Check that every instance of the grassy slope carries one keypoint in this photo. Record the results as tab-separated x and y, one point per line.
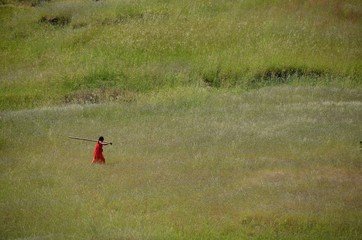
195	165
204	149
127	47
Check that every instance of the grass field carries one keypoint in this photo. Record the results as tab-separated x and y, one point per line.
230	119
94	51
196	165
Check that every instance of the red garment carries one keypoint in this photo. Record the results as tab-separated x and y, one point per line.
98	154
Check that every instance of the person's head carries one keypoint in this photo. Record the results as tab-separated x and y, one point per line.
101	139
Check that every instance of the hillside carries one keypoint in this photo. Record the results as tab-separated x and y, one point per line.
60	52
229	119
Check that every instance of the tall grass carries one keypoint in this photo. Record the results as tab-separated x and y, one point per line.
275	163
155	45
230	119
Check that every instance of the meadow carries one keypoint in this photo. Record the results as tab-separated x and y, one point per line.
229	119
61	52
196	165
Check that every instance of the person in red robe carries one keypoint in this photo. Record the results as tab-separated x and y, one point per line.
98	157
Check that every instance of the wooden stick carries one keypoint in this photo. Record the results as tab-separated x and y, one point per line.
89	140
83	139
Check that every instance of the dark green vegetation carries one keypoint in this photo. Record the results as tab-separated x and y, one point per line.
230	119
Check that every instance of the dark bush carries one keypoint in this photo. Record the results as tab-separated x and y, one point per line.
24	2
56	20
277	76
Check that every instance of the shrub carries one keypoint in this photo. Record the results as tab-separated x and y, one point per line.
61	20
24	2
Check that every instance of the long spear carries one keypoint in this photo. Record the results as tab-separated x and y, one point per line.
86	139
83	139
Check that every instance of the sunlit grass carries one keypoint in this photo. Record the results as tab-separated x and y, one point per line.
275	163
155	45
230	119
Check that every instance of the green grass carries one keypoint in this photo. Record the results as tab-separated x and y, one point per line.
275	163
142	46
230	119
